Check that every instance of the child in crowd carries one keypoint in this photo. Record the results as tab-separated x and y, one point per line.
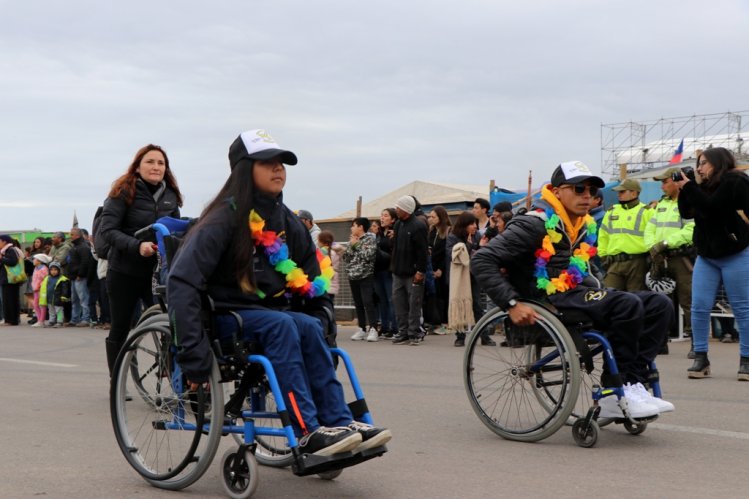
40	261
54	292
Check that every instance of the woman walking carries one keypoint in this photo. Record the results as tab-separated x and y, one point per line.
146	192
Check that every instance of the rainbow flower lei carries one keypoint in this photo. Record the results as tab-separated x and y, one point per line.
578	267
277	251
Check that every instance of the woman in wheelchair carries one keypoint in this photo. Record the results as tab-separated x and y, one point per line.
250	253
545	254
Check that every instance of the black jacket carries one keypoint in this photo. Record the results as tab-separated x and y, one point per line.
384	251
9	258
80	259
119	223
409	247
719	231
205	264
504	268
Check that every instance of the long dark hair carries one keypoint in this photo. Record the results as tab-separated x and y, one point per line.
125	185
465	220
443	226
238	189
722	161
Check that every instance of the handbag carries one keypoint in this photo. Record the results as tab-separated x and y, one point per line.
16	273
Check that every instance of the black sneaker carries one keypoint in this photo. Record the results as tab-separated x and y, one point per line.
486	341
326	441
371	435
401	340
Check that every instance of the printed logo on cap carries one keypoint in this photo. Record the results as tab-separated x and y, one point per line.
573	169
258	140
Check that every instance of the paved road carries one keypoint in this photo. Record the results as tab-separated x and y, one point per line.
57	439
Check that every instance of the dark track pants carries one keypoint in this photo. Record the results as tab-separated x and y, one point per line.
636	324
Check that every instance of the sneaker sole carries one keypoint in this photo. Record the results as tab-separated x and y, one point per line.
743	377
347	444
380	439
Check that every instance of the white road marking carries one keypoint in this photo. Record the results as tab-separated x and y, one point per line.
701	431
38	363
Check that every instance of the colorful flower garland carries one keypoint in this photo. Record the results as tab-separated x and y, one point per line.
578	267
278	255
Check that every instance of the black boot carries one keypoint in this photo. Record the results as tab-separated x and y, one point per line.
690	355
113	349
487	341
460	340
744	369
701	366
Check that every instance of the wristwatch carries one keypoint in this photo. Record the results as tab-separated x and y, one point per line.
511	303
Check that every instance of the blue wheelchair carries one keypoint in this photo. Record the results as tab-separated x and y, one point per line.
170	435
539	378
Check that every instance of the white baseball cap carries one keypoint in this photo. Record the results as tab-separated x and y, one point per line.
258	144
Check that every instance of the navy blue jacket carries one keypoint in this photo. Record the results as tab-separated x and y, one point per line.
204	264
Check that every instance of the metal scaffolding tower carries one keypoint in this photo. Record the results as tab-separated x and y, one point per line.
650	144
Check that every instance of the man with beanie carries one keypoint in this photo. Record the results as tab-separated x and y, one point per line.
408	265
621	242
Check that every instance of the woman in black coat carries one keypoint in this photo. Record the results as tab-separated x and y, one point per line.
145	193
10	256
719	205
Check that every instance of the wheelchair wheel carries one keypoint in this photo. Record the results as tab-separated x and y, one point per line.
585	434
239	474
526	387
148	313
164	434
330	475
635	429
270	451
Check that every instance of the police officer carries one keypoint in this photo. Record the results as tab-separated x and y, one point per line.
621	242
669	240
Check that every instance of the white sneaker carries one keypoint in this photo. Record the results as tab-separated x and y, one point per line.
359	335
662	405
372	335
637	408
36	324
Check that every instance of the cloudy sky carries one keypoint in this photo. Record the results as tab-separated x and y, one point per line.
370	95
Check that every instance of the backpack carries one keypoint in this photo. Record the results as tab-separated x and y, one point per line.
101	246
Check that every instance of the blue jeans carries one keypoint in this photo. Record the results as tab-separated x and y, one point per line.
708	273
384	290
80	302
295	345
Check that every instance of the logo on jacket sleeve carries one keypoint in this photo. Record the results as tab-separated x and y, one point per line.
595	295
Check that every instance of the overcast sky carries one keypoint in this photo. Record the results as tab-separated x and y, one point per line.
369	95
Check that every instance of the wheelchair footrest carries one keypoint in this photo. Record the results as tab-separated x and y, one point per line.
310	464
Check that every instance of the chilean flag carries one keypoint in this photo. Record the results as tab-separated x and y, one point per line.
676	159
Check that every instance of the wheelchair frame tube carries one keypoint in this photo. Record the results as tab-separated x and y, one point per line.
358	393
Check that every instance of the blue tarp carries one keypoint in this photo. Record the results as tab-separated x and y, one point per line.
651	190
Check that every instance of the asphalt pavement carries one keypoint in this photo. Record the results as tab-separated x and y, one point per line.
57	438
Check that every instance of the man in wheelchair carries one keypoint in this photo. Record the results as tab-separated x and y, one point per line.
544	254
251	254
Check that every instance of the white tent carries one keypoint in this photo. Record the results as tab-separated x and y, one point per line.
428	193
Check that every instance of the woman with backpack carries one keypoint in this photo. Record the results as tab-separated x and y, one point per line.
146	192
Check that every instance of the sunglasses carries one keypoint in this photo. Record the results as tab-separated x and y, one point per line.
581	188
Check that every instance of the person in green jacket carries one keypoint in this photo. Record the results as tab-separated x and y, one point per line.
621	240
668	237
57	287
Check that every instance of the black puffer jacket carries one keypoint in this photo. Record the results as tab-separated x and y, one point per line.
409	247
205	264
119	223
504	268
719	230
80	259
